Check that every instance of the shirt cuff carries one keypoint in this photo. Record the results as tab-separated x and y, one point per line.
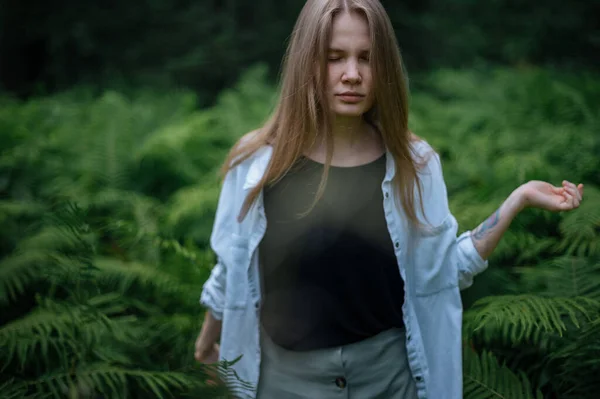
470	261
209	302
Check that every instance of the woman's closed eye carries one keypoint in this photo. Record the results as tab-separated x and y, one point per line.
336	59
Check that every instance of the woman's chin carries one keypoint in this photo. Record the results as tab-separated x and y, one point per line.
346	111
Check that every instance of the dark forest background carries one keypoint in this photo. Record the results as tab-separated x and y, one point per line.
116	115
46	46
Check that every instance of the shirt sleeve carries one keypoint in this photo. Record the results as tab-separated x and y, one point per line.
213	290
469	262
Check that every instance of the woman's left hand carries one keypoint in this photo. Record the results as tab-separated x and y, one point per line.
539	194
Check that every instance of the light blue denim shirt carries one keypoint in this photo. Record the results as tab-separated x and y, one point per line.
434	265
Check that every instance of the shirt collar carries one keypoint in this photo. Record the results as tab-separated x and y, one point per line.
390	166
258	167
263	156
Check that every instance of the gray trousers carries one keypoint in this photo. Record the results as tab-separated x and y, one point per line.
376	368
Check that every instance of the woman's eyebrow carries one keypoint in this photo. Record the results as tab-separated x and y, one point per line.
338	50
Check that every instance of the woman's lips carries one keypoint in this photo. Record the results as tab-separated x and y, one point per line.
350	98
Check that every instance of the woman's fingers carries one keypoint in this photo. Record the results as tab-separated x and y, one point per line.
573	189
206	354
570	200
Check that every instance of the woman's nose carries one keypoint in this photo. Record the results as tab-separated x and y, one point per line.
351	74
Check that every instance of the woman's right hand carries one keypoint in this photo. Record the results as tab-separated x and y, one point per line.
206	353
206	349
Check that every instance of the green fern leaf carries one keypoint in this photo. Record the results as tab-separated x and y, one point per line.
567	276
12	389
484	378
18	271
62	327
116	382
11	209
519	317
190	210
579	364
581	228
116	273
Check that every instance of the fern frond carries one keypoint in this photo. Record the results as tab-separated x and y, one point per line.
190	211
116	273
579	364
519	317
484	378
111	381
236	385
127	202
53	252
581	228
108	159
20	209
524	245
51	238
534	249
115	381
521	167
61	327
250	102
23	268
164	148
566	276
18	271
12	389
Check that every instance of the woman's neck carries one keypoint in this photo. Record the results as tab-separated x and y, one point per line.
354	142
350	132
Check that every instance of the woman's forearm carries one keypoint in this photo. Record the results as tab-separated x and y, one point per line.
211	329
488	234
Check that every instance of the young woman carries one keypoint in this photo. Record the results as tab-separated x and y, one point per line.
339	266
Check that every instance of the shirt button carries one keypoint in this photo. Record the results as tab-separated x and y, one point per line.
387	195
340	382
419	378
397	244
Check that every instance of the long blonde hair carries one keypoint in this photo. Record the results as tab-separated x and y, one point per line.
302	113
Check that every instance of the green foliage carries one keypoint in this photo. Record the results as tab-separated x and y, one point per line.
99	325
205	45
108	203
497	129
519	317
578	363
101	276
484	378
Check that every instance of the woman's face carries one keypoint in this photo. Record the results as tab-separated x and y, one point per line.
349	84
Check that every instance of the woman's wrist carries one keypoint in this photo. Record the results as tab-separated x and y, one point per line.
211	329
516	201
